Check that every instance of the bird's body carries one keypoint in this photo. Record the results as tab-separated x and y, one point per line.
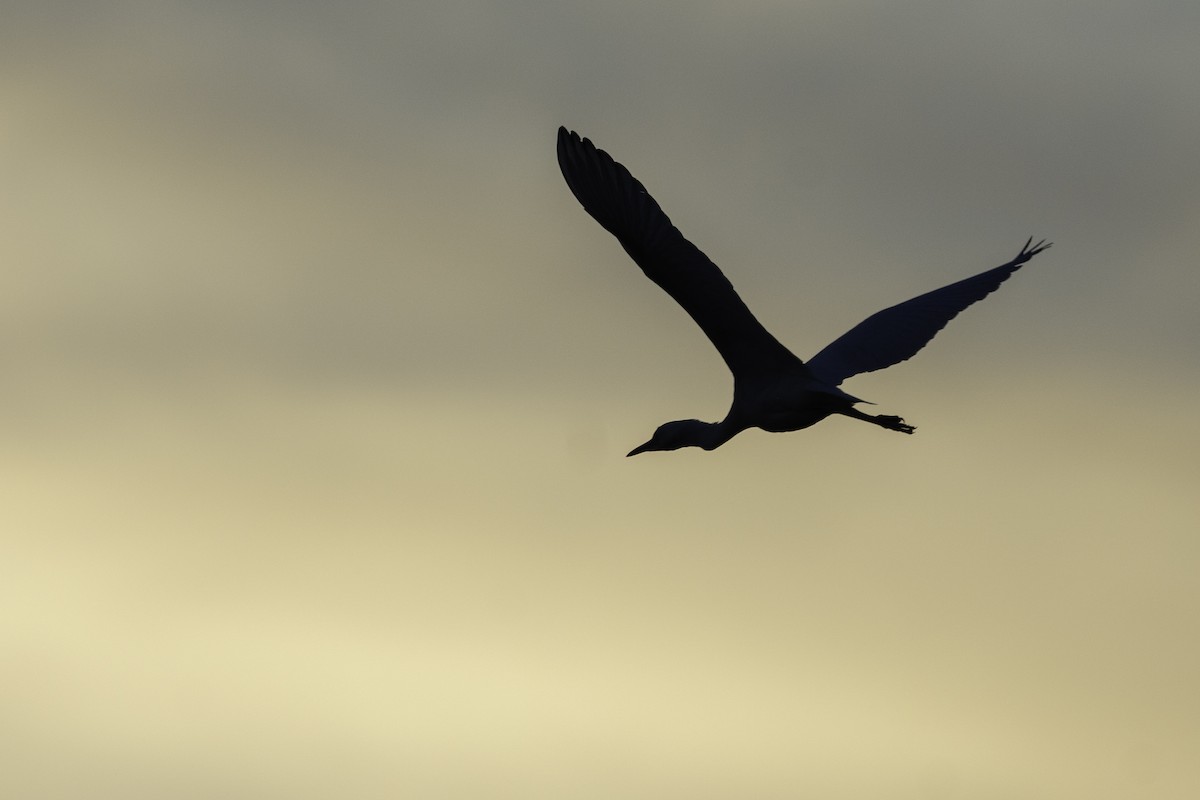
773	389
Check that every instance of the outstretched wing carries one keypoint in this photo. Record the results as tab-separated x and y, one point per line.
897	333
620	203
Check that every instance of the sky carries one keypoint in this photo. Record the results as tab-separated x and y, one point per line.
318	384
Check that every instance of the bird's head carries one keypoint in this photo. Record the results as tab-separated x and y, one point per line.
677	434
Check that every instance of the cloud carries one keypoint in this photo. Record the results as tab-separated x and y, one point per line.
317	382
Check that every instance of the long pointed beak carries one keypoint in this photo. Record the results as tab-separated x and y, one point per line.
641	448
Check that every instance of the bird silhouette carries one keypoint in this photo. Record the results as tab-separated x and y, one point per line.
772	388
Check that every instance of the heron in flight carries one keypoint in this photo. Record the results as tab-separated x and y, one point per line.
772	388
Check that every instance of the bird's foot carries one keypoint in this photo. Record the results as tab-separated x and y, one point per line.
894	423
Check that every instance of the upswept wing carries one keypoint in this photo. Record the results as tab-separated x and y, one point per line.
897	333
620	203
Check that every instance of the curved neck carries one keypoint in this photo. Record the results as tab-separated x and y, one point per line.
710	435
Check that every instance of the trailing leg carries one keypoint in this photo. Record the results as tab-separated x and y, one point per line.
883	420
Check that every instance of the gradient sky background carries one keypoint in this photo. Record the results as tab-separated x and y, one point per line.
317	385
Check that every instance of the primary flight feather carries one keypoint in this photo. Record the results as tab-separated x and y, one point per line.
772	388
